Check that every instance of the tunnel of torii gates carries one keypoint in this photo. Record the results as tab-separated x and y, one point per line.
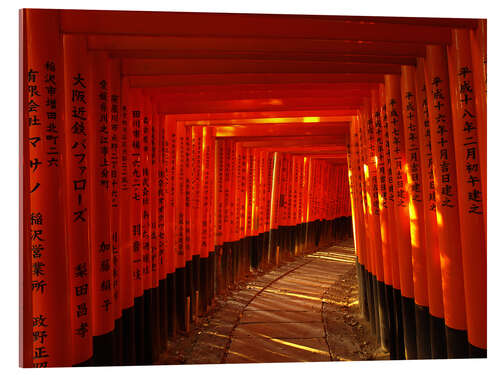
166	155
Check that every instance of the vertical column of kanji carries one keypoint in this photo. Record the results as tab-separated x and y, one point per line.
314	186
255	165
314	201
479	63
228	227
77	99
447	211
188	150
401	208
225	156
135	121
258	207
47	335
433	266
211	216
219	210
373	129
126	287
196	210
273	224
25	264
169	124
281	203
305	221
160	228
363	250
469	192
179	225
248	209
374	244
293	211
205	215
244	208
382	187
263	238
186	237
299	165
146	214
309	228
289	203
155	264
114	186
368	253
385	228
416	210
267	205
395	301
235	250
99	212
300	217
355	202
268	202
237	210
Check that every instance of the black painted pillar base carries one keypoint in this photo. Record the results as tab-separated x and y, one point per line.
438	337
409	327
148	326
196	284
422	324
189	284
87	363
456	343
371	304
235	260
211	277
118	342
376	306
180	292
204	284
103	349
385	335
128	318
219	269
389	295
476	352
139	329
171	304
263	254
163	314
156	323
363	299
398	315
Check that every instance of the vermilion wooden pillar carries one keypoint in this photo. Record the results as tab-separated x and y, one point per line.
386	294
470	199
170	125
48	337
99	185
416	210
434	285
447	210
399	167
78	189
125	228
478	47
117	243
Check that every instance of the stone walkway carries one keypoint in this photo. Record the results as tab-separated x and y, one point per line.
291	314
284	321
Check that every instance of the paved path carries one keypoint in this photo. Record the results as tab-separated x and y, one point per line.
284	320
303	311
